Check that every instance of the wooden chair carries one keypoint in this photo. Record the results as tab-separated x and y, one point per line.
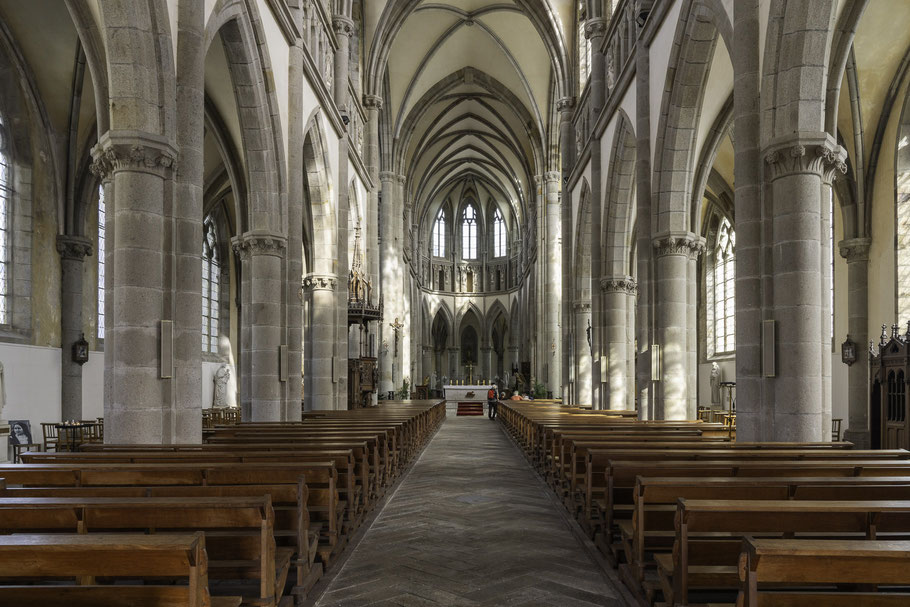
17	449
835	429
49	432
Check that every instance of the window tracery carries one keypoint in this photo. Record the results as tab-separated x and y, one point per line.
469	233
439	235
721	291
211	286
499	235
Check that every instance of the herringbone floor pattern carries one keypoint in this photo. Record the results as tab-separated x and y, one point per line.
471	525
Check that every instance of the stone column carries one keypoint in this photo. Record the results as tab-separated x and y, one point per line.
319	289
371	106
692	333
616	292
73	250
294	298
454	363
511	359
673	252
796	167
644	319
187	214
747	203
344	29
566	107
856	252
138	391
553	284
427	354
630	347
261	253
389	281
583	353
485	369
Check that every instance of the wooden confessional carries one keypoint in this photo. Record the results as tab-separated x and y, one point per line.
888	376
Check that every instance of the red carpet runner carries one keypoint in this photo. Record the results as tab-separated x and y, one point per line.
470	409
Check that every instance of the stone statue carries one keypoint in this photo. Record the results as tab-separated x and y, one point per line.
716	399
445	380
221	379
433	380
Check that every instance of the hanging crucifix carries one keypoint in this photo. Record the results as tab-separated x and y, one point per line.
588	331
397	327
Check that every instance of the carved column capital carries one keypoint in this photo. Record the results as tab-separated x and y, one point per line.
372	102
259	242
582	307
619	284
855	249
133	151
595	28
319	282
343	26
551	176
679	243
388	176
565	104
819	154
73	247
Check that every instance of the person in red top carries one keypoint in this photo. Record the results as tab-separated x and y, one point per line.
492	401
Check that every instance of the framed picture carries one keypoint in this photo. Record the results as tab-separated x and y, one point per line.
20	432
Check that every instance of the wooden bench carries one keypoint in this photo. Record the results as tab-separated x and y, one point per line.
801	566
240	532
709	535
652	527
50	562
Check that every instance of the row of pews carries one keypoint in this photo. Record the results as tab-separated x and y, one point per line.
255	515
689	516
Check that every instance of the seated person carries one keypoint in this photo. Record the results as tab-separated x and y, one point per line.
515	396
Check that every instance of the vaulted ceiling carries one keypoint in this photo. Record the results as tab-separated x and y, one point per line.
468	89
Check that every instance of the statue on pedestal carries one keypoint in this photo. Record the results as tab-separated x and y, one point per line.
221	379
716	400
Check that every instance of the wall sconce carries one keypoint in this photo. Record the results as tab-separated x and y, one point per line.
80	350
848	351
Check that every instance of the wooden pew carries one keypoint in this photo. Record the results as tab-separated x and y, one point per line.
652	527
709	534
50	562
801	566
242	547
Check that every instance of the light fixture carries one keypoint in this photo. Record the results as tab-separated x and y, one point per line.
848	351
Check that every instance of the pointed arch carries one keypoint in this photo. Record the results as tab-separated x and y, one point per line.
318	211
620	201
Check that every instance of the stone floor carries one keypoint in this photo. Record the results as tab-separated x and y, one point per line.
471	524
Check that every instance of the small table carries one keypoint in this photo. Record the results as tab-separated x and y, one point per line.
67	436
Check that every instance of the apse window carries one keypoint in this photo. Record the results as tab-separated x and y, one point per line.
439	235
211	277
5	240
469	233
721	283
102	241
499	235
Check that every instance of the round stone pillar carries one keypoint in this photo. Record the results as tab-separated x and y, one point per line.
319	349
797	169
73	250
261	254
673	252
137	399
856	252
584	332
619	384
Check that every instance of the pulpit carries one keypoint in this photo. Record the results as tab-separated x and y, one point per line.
362	310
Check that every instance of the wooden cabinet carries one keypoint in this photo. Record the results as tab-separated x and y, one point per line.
889	373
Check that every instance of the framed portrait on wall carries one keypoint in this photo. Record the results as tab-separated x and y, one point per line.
20	432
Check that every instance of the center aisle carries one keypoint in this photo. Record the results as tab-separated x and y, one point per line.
471	524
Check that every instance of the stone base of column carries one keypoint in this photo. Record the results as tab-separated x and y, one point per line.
862	439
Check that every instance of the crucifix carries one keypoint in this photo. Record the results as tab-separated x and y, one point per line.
588	331
469	367
397	327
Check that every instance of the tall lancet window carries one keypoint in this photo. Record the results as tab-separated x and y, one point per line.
102	242
499	235
721	287
469	233
211	287
439	235
5	232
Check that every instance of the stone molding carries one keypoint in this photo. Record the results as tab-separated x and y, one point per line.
372	102
259	243
565	104
855	249
401	179
133	151
319	282
582	306
679	243
818	154
595	28
343	26
551	176
387	176
619	284
73	247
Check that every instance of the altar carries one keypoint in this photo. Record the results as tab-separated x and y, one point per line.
466	393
